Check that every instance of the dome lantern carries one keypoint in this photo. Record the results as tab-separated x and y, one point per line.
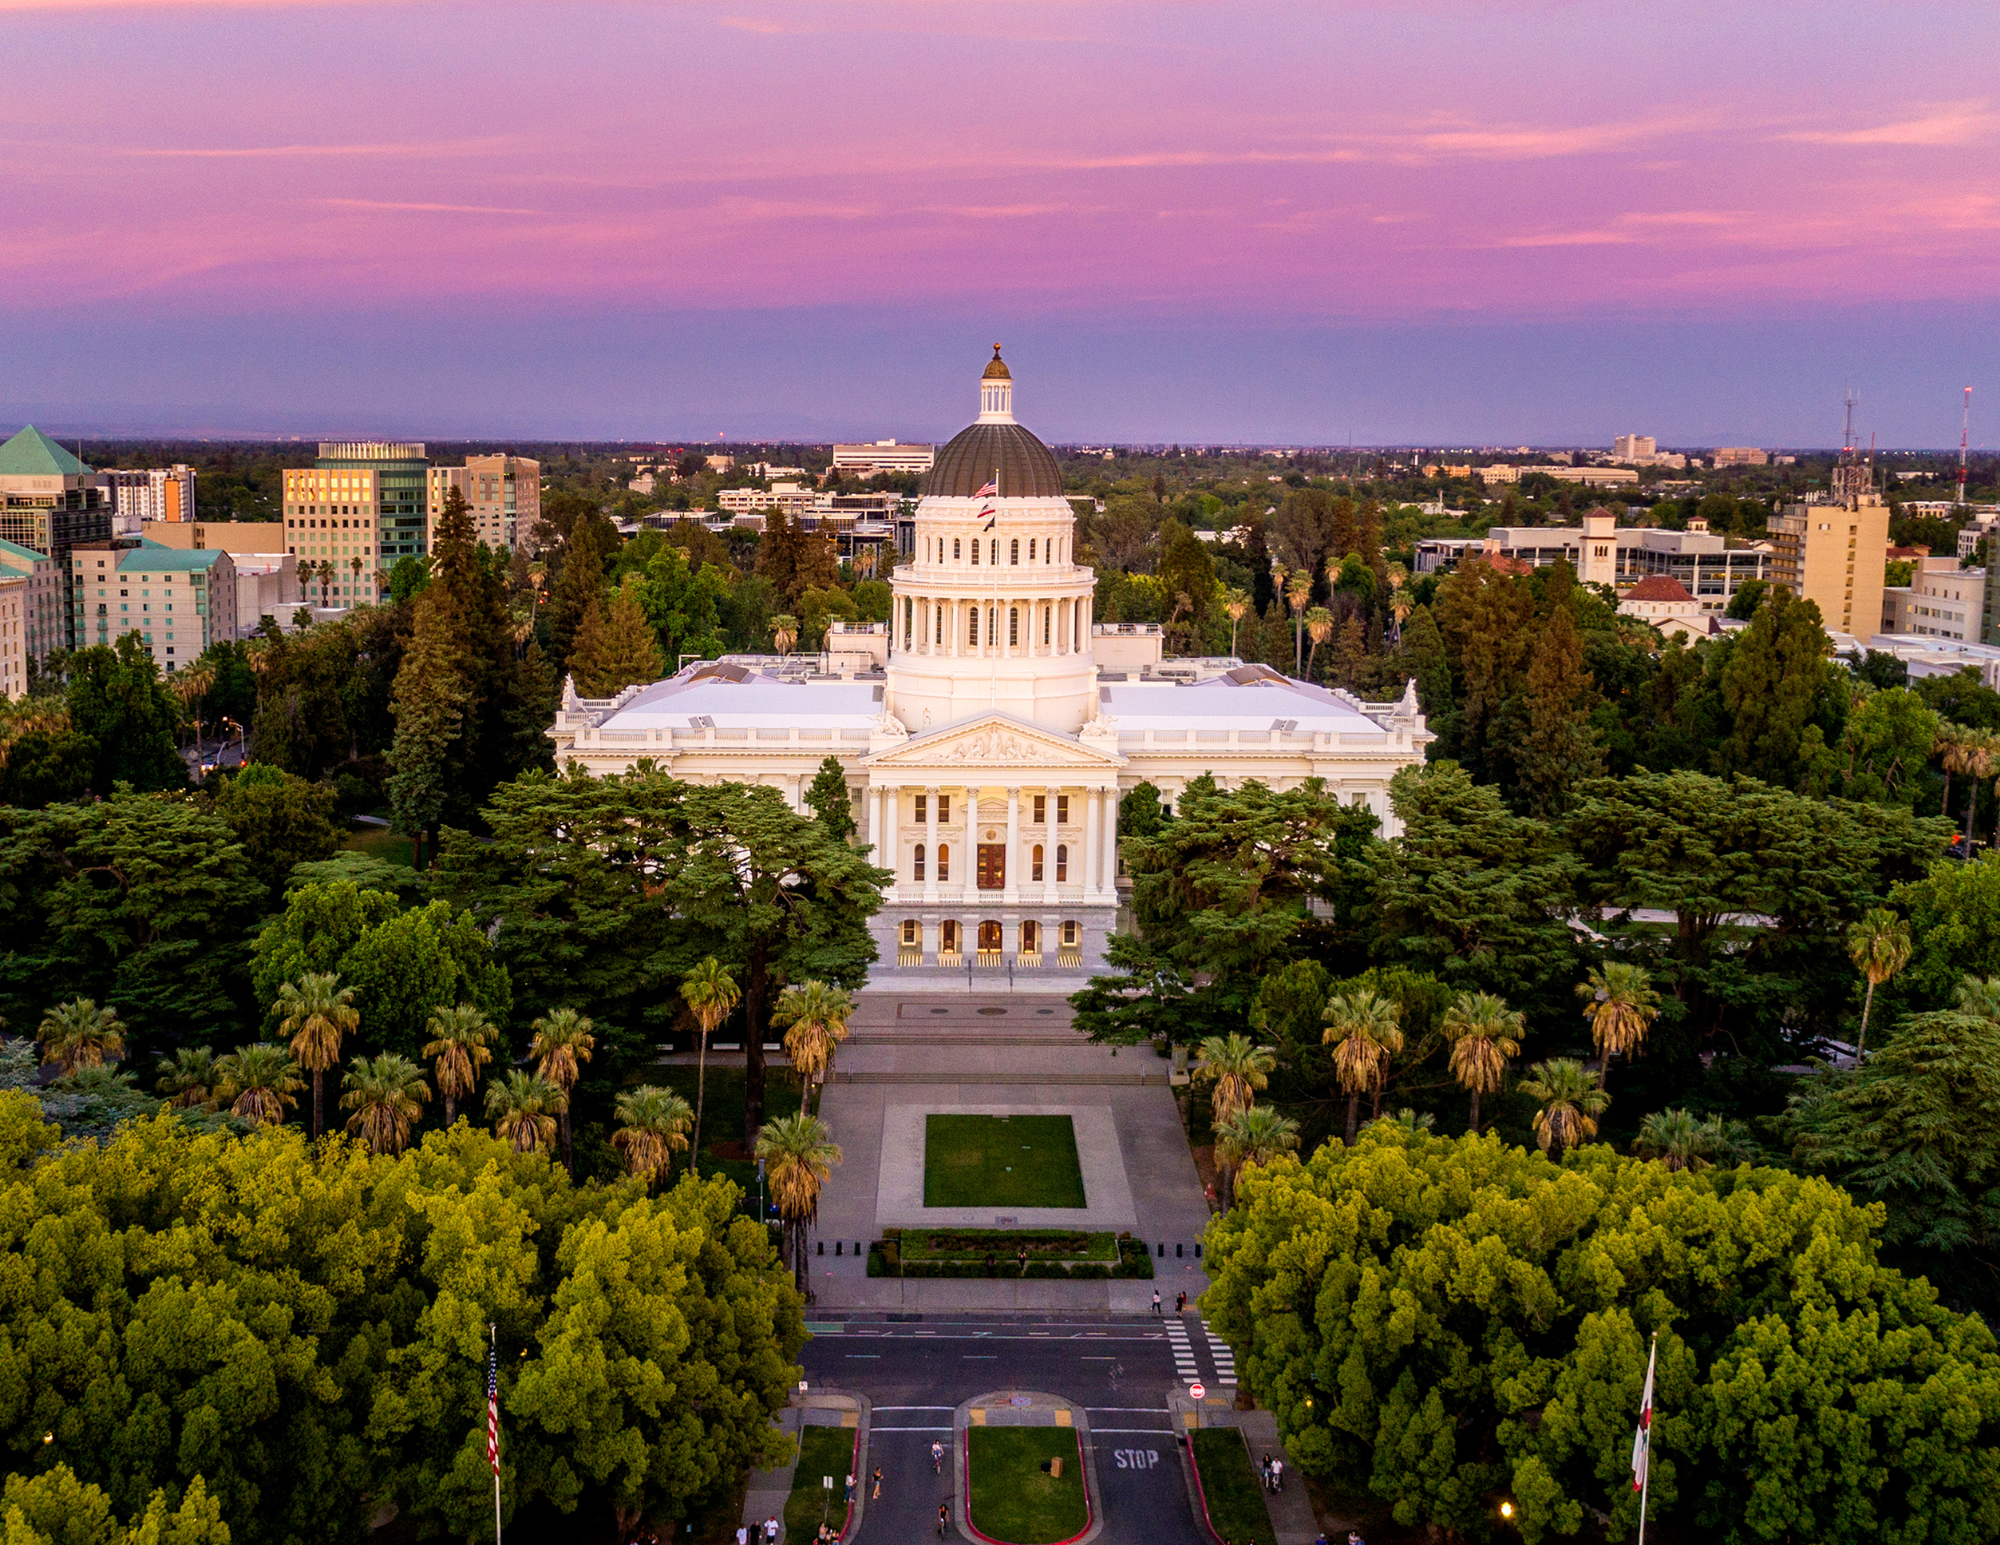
996	391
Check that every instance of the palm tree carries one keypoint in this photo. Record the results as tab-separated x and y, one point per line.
354	569
1256	1135
1879	946
561	1046
191	686
784	632
1571	1102
1676	1139
1362	1030
1978	995
1235	605
817	1014
652	1123
260	1081
1953	748
1239	1067
1319	628
1621	1006
187	1078
710	993
799	1155
79	1034
1399	597
521	1108
387	1095
458	1050
315	1012
1299	592
1485	1036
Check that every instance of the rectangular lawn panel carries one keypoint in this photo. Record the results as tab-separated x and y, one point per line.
822	1451
1001	1161
1230	1486
1012	1499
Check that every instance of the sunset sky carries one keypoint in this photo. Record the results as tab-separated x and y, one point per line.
1444	222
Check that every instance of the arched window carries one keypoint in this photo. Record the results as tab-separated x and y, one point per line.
917	869
1014	551
937	633
996	550
1062	863
1031	549
1013	627
1049	550
944	862
972	623
975	555
954	550
1035	862
992	624
1031	937
1048	623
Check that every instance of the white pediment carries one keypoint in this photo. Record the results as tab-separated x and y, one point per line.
994	741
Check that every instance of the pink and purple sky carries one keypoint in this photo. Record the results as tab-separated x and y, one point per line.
1463	221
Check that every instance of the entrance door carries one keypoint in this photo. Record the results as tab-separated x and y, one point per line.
989	938
992	866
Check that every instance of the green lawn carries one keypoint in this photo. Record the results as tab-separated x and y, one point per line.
1001	1161
722	1114
822	1451
1012	1499
1229	1484
381	843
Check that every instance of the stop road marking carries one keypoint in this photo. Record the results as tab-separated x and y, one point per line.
1137	1458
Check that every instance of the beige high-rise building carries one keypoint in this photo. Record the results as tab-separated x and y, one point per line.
504	493
13	635
1833	555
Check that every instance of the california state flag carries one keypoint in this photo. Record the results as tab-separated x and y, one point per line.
1642	1440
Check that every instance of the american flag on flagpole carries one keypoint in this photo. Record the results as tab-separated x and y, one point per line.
987	492
493	1410
1642	1441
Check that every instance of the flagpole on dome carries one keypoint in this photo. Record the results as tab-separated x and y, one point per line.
1642	1441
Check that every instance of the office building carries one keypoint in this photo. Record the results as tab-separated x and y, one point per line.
13	635
1704	564
1740	456
502	493
1635	447
353	513
789	499
1832	554
267	575
50	501
42	604
1942	600
150	493
882	456
179	601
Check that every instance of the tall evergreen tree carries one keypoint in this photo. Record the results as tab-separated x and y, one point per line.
1561	745
828	799
1777	682
1486	617
580	582
615	645
430	706
1424	658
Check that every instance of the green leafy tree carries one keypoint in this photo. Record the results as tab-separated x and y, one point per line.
1776	686
416	962
279	820
1252	1136
1884	749
616	646
319	927
828	799
117	699
1562	747
433	705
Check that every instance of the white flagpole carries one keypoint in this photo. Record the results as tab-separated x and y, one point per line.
493	1345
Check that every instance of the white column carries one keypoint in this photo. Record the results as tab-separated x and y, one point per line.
1110	855
1087	859
969	823
886	849
1013	891
931	840
1048	835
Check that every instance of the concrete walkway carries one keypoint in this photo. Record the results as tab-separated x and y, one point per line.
768	1490
1291	1513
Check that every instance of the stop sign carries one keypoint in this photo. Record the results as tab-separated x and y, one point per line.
1196	1391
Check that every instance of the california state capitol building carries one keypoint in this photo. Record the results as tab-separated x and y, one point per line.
990	729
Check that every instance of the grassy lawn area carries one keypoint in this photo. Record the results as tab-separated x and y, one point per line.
1001	1161
1230	1485
822	1451
722	1115
1012	1499
381	843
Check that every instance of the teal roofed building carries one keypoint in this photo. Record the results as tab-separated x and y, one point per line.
50	501
178	600
42	613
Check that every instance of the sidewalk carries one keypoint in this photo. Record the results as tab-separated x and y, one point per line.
1291	1514
765	1495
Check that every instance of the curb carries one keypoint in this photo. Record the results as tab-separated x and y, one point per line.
827	1399
1086	1456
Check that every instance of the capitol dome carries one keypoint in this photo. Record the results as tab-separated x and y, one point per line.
995	450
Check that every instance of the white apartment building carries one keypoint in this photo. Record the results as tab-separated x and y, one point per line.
1635	447
1942	600
790	499
41	598
150	493
883	456
503	492
179	601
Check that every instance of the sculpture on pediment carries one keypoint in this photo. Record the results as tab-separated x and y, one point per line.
571	703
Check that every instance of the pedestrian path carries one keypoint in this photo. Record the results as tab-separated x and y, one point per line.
1218	1350
1185	1368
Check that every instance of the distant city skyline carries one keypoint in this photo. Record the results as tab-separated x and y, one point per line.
1454	222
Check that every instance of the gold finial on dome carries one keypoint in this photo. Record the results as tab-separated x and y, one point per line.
996	368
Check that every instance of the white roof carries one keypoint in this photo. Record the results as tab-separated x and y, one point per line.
1222	704
758	702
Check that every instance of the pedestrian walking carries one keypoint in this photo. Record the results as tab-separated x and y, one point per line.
1264	1468
1277	1475
848	1494
771	1530
1156	1301
1180	1302
742	1534
876	1494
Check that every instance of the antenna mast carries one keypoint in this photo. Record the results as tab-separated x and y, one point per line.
1964	434
1851	400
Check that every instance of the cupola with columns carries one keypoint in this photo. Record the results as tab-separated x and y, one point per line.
992	614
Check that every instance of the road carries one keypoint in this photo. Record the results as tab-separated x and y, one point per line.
915	1371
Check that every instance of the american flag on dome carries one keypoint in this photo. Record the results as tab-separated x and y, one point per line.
493	1410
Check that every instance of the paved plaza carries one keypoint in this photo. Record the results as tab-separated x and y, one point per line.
910	1054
